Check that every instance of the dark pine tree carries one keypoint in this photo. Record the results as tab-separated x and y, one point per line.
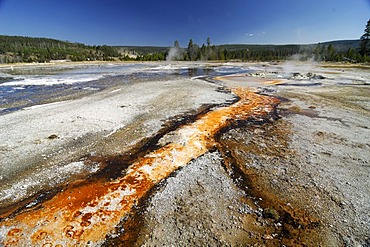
365	41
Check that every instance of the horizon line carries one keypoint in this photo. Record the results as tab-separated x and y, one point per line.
275	44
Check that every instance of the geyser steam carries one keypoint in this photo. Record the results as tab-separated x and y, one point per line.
175	53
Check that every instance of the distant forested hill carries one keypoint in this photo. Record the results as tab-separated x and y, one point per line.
343	45
27	49
340	50
339	45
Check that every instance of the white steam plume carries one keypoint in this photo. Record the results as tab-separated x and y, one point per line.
174	54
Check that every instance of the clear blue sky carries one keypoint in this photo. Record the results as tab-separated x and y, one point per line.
161	22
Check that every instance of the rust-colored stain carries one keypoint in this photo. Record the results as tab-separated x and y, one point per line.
274	82
86	214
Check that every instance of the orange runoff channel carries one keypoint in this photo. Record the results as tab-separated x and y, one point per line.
85	215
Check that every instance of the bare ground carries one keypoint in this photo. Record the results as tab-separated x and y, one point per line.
45	146
299	180
302	180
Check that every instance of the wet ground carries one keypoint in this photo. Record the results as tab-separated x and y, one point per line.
25	86
234	174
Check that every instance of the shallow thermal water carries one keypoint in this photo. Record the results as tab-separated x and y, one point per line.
26	86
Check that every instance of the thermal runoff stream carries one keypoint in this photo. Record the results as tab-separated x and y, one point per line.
86	213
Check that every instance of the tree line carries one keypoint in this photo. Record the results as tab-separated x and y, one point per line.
26	49
318	52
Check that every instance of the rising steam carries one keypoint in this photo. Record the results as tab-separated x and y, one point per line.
175	53
301	63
